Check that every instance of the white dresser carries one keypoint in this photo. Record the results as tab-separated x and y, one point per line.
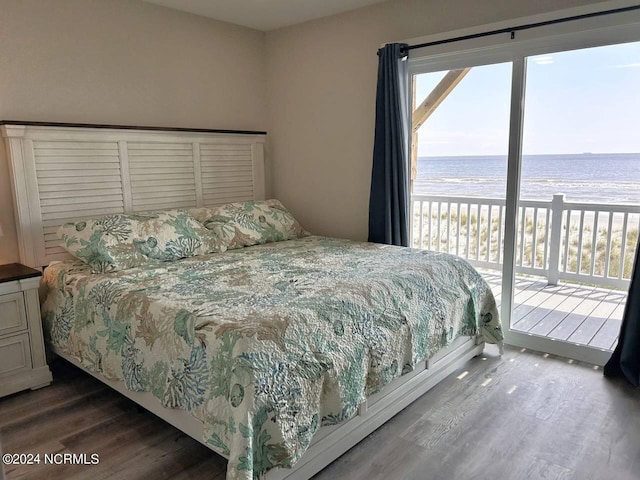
22	359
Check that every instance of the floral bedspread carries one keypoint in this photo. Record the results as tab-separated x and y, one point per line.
266	344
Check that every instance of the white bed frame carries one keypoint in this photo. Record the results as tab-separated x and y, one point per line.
62	173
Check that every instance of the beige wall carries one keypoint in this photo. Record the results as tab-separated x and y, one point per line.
123	62
128	62
321	81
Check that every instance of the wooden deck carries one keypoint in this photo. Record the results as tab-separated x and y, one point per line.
579	314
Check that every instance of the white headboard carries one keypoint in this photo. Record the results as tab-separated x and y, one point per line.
65	172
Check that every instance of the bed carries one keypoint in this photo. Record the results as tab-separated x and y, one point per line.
278	356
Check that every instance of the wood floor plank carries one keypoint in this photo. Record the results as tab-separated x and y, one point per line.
35	471
519	416
213	467
63	421
163	459
63	391
534	432
390	458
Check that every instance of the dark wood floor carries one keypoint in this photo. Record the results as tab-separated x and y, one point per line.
522	416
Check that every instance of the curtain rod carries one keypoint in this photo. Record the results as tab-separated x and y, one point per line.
513	30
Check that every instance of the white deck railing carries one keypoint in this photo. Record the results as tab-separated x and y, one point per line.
586	242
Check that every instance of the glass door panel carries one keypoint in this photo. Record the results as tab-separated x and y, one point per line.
459	148
579	204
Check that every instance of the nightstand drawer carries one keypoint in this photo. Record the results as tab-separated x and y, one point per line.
15	354
13	317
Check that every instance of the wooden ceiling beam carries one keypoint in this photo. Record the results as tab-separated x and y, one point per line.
437	96
427	107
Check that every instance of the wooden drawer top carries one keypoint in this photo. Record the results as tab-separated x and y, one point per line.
17	271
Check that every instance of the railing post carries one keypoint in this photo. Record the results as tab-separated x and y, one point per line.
557	208
416	204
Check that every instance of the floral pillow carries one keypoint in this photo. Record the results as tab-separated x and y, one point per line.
244	224
170	235
121	241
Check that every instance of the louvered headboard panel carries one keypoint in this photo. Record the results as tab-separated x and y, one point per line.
75	179
226	173
62	173
162	175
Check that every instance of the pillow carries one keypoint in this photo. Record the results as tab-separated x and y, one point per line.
121	241
105	243
244	224
170	235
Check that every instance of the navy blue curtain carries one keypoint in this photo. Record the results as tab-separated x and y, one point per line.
389	198
625	360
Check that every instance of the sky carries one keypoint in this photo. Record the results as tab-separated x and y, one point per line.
576	102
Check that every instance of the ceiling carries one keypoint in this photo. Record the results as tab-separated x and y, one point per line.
264	14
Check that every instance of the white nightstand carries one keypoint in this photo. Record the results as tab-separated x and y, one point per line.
22	360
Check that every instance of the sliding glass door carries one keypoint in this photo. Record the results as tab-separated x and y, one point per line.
579	198
542	195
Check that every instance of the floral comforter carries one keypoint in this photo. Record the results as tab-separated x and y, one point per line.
266	344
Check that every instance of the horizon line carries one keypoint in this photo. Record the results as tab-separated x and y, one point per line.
528	154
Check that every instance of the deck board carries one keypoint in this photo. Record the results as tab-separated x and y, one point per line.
576	313
541	305
556	316
608	334
596	319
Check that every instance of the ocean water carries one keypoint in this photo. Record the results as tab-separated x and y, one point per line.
597	178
